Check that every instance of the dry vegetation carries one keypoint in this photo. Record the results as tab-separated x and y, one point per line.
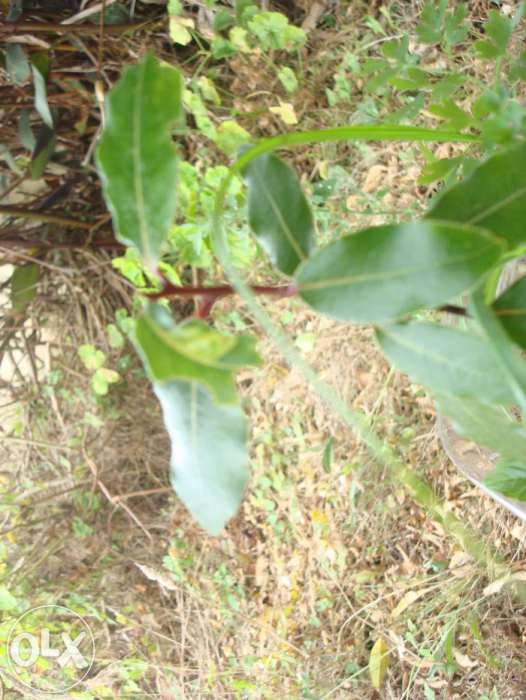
328	554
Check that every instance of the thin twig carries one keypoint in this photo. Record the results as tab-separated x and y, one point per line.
56	28
22	213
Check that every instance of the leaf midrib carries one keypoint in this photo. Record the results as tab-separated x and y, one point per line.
375	276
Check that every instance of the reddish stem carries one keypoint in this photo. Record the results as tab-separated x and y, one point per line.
207	296
172	290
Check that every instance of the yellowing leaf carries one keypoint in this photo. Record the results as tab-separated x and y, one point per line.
379	662
408	599
208	90
179	33
319	517
285	112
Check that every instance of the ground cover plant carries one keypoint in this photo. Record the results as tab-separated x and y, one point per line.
168	247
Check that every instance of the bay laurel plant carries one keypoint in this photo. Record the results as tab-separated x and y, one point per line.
403	278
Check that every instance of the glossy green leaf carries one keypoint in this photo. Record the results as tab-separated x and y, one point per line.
192	351
487	425
493	196
387	271
448	360
209	464
136	156
278	212
510	308
509	479
512	365
24	282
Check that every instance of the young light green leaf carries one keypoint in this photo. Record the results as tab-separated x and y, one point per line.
508	478
448	360
24	282
487	425
92	358
387	271
209	464
192	351
102	378
278	212
510	309
493	197
136	157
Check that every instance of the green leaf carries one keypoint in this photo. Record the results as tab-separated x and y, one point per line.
448	360
513	367
192	351
230	136
429	29
17	65
384	272
7	599
41	104
278	212
209	464
493	197
102	378
115	337
327	455
455	117
487	425
509	479
91	357
510	308
499	29
24	282
288	79
44	148
136	156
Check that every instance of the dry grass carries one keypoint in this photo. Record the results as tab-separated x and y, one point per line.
318	564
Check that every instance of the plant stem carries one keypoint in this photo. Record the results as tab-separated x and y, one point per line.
358	421
24	243
22	213
215	293
57	28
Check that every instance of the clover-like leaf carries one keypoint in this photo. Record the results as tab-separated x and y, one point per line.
136	156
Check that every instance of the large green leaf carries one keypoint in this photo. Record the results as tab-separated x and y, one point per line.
448	360
278	212
509	479
192	351
512	365
209	465
487	425
136	157
387	271
510	308
493	196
